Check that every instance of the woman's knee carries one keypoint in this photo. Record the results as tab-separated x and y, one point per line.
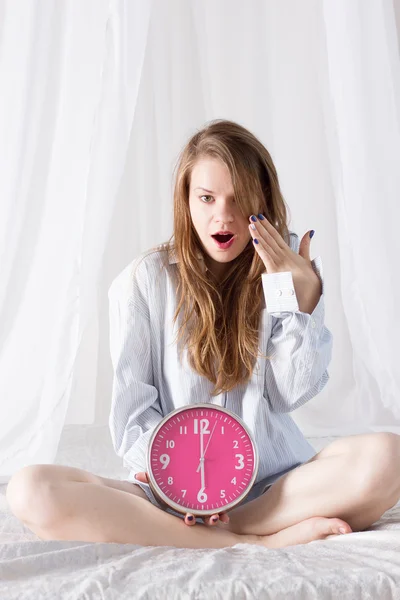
27	490
379	464
32	491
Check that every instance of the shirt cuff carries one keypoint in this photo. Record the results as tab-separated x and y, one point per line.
279	292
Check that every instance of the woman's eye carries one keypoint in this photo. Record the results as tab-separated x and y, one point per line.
201	197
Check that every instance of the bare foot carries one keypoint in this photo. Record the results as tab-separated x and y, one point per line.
315	528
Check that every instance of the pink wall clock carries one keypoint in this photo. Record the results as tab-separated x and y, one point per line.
201	459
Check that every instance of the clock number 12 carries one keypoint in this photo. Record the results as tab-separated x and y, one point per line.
204	423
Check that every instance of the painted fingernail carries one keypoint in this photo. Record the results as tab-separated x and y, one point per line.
253	218
312	233
214	519
190	518
255	240
260	216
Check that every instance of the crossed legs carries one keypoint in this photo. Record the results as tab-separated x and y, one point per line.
352	481
355	478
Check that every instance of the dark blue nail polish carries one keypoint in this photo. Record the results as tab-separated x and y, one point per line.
312	233
190	518
214	519
253	218
255	240
261	217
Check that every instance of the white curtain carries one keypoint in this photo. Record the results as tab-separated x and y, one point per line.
97	99
360	91
69	79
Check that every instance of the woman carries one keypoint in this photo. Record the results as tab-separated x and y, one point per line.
220	303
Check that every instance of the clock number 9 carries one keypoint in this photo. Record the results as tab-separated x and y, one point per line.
164	458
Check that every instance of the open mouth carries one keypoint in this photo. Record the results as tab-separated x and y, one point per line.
224	241
222	238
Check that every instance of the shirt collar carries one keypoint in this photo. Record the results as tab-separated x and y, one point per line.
173	257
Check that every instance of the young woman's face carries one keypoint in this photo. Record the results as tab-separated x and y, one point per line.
213	209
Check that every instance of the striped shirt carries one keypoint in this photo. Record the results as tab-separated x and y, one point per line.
149	380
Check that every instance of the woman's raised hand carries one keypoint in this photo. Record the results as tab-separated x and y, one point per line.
210	521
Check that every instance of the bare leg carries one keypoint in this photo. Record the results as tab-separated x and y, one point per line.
64	503
356	478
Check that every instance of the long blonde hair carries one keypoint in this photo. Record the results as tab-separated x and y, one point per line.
221	319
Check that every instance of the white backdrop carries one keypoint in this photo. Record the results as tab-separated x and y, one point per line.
97	99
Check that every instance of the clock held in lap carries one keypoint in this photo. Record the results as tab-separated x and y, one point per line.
201	459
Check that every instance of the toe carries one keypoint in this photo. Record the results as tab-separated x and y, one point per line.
332	526
339	526
325	526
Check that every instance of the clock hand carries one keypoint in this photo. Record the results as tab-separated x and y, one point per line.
202	455
203	482
209	439
201	463
201	451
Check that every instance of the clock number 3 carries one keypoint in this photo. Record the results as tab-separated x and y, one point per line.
241	461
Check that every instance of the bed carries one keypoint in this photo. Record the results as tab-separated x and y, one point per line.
363	565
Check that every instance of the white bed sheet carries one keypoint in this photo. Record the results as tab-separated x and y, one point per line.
363	565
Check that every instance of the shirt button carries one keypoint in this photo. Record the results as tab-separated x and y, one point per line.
312	323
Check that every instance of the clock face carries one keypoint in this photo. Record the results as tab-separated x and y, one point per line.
225	474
